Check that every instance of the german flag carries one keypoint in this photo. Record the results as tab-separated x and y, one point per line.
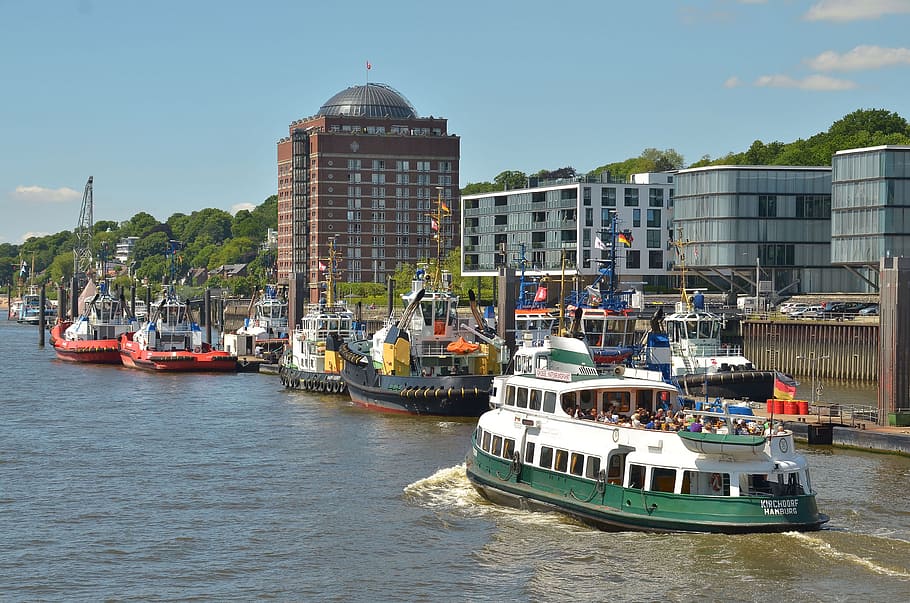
625	237
784	387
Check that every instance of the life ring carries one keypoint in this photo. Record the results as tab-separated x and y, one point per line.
615	435
716	482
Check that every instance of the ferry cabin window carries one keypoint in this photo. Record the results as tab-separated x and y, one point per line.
644	398
529	452
546	457
593	467
478	435
663	479
586	400
706	483
562	460
521	397
549	401
486	441
497	446
508	448
755	484
577	466
534	399
568	403
620	401
637	476
510	395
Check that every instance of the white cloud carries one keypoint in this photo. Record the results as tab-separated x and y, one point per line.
812	82
733	82
855	10
33	233
860	58
39	194
241	206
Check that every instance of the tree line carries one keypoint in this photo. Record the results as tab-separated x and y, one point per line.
213	237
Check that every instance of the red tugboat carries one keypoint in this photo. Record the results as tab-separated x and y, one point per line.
95	336
172	341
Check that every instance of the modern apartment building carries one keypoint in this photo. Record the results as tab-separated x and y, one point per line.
566	221
365	170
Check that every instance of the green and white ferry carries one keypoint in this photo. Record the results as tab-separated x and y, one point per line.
529	451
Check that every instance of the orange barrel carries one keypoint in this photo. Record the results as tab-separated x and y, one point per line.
803	406
790	407
769	406
778	407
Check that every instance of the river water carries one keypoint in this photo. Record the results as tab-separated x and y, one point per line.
124	486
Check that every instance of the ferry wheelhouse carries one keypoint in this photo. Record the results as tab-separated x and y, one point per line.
533	451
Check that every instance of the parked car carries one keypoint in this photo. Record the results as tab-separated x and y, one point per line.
869	310
813	311
790	307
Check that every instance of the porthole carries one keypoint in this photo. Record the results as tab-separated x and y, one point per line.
331	190
331	162
331	175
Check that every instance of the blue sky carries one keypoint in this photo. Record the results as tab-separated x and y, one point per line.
174	106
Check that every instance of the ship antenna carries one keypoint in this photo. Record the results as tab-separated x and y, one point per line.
680	244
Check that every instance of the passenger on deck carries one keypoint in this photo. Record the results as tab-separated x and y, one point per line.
695	426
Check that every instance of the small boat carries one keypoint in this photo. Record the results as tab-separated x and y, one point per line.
428	361
95	336
14	309
29	311
556	439
313	360
268	323
172	341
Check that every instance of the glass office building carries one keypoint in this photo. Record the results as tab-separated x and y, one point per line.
774	220
870	207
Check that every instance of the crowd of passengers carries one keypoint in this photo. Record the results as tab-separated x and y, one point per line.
681	420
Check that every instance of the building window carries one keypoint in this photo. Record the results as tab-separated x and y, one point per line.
631	197
636	217
353	164
401	179
423	166
653	218
608	196
378	164
586	195
767	206
655	259
655	197
445	166
653	237
633	259
402	166
354	177
378	178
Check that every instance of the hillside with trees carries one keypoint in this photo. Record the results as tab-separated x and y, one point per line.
212	237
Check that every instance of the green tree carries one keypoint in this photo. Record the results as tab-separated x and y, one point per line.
61	268
154	245
139	225
511	180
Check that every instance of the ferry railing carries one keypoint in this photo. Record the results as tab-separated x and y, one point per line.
709	350
856	413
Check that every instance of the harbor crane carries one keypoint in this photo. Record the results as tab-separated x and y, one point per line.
82	250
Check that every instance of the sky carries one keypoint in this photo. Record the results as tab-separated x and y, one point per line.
174	106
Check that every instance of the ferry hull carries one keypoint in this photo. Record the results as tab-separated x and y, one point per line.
454	396
614	508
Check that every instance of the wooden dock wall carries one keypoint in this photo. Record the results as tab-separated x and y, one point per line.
851	347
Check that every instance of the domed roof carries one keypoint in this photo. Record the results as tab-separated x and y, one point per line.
371	100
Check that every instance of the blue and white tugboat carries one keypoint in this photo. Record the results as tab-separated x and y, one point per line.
565	435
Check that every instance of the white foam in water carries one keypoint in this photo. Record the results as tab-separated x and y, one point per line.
826	550
449	489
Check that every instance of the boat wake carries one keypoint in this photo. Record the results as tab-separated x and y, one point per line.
828	551
449	490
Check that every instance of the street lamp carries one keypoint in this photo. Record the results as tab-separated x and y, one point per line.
814	360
